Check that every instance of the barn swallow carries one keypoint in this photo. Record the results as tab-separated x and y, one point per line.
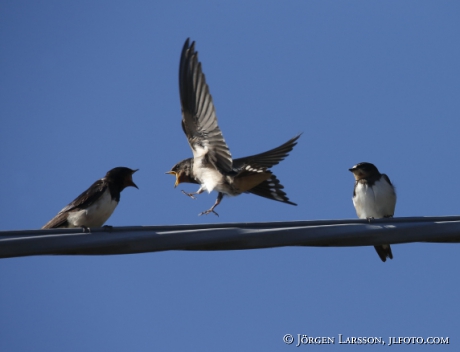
212	165
94	206
374	197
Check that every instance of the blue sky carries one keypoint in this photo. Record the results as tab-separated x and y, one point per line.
90	85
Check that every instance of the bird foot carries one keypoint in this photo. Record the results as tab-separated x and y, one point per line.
86	229
206	212
188	194
370	219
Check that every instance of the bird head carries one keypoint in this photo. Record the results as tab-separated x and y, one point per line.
183	172
364	170
122	176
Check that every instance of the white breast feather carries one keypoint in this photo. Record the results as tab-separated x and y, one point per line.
211	178
376	201
95	215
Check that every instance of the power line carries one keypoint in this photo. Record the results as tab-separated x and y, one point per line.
229	236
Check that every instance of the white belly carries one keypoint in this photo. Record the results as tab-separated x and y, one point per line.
95	215
376	201
209	178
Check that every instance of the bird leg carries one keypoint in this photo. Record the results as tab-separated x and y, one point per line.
191	195
211	210
385	216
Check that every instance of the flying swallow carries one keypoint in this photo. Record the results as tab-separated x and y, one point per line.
212	165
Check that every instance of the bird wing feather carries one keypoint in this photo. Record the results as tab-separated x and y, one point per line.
199	120
83	201
267	159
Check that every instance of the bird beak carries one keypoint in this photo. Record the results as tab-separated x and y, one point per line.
351	170
131	182
175	174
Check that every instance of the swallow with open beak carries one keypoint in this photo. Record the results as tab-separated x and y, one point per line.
212	165
94	206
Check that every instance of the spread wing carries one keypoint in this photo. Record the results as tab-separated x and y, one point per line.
266	160
199	120
83	201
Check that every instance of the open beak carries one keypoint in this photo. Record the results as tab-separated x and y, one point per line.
175	174
131	182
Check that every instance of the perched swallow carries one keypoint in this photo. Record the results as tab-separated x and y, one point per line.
374	197
94	206
212	166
